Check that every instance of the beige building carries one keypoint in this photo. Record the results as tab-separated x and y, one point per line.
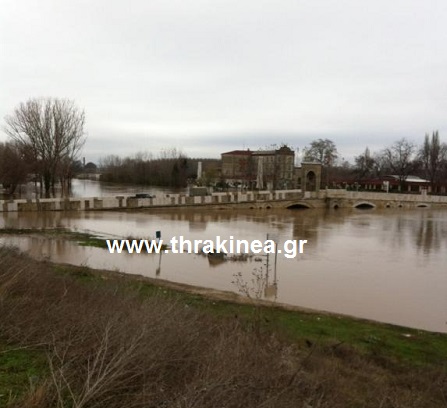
237	166
270	169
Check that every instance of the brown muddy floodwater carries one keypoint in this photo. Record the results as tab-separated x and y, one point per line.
389	266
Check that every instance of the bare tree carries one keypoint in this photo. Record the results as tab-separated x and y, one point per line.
380	166
433	155
399	159
51	132
325	152
364	164
322	151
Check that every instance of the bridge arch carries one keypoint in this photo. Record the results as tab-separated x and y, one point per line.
363	205
298	206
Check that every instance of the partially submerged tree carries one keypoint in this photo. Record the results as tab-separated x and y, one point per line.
13	167
50	132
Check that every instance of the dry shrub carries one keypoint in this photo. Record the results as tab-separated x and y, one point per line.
107	348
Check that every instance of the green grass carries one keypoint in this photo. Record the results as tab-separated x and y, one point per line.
91	241
20	370
82	238
398	343
85	239
376	339
414	346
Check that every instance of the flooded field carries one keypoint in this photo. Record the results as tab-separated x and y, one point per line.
388	265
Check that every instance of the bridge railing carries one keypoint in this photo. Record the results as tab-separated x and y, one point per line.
366	195
127	201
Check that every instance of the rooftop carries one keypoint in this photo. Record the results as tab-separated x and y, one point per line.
410	179
247	152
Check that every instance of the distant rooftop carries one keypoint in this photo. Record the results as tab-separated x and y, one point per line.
284	150
247	152
410	179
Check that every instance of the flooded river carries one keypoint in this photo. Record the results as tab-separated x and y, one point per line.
389	265
92	188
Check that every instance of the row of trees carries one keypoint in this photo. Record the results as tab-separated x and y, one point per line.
403	158
46	136
171	168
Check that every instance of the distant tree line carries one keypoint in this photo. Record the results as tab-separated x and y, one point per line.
171	169
46	135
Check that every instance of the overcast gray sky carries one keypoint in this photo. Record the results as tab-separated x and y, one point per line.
207	76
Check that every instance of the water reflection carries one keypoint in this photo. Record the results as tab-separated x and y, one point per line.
429	233
423	230
384	265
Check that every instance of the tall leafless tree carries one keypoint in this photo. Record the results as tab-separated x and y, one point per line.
364	164
325	152
51	133
321	151
433	155
399	158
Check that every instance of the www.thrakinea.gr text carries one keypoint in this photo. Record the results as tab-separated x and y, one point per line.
179	245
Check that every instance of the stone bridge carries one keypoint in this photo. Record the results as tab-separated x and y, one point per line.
292	199
352	199
249	199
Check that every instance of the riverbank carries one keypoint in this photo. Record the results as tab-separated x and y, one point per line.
120	340
382	265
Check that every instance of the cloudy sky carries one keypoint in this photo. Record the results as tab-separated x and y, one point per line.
207	76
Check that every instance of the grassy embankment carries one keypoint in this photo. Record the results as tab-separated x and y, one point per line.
85	338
